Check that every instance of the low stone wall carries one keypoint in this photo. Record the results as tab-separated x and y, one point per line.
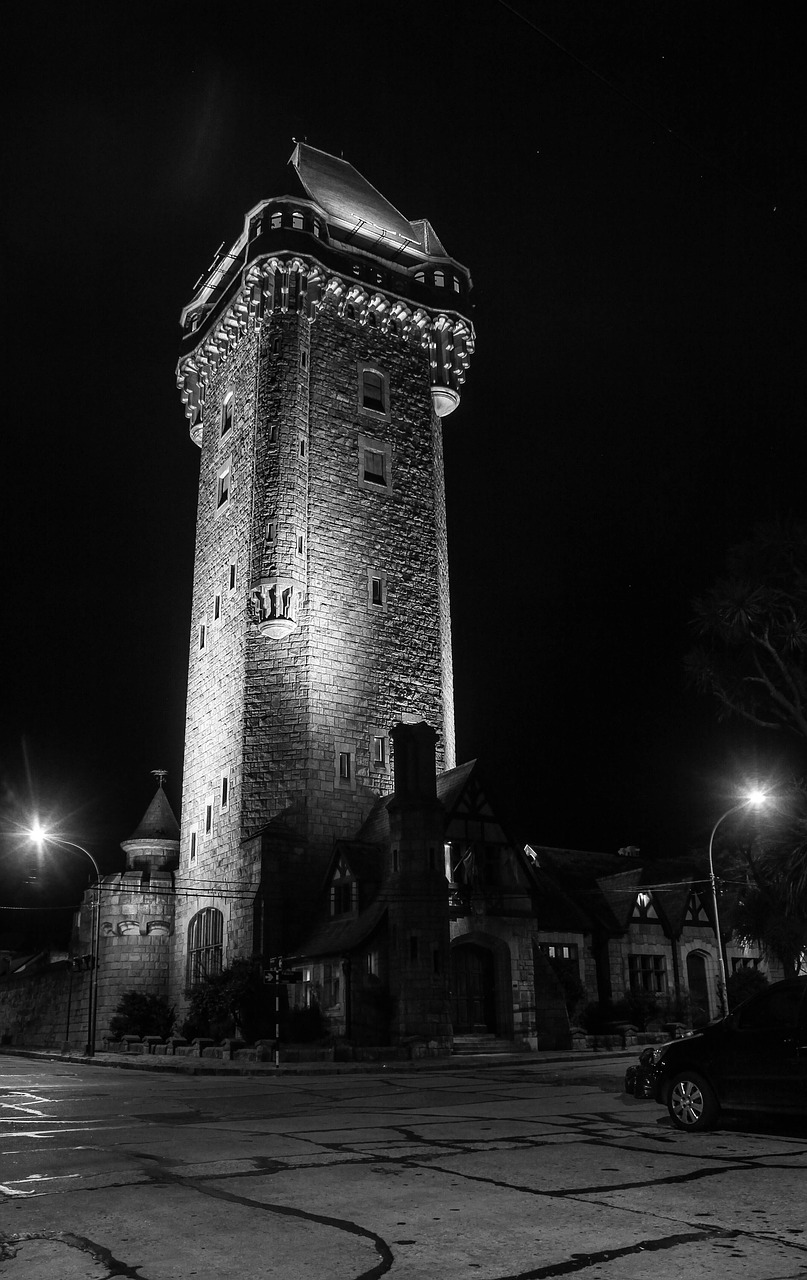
45	1010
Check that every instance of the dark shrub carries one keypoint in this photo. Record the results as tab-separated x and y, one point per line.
744	983
142	1015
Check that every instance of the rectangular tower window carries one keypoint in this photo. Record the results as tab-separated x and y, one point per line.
302	446
300	544
375	464
379	751
202	634
345	765
227	414
377	589
372	391
271	532
223	485
208	817
217	607
224	792
193	842
231	576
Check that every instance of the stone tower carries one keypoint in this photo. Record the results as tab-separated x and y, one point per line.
319	356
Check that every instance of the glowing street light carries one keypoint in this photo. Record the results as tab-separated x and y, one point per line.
40	837
755	799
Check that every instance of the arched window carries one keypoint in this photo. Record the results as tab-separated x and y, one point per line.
205	934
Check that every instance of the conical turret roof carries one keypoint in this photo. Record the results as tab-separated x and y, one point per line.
158	822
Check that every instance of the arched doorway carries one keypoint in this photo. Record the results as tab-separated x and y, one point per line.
698	988
474	989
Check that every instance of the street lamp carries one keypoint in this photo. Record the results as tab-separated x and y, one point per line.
754	798
41	837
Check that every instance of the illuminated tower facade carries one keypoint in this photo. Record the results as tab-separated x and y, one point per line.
319	356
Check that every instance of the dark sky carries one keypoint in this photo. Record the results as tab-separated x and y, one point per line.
631	208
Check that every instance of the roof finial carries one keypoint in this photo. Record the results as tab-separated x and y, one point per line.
160	775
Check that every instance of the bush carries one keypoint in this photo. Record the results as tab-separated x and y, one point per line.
142	1015
234	1000
568	975
301	1026
744	983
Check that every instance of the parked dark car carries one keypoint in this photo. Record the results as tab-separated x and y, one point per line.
753	1060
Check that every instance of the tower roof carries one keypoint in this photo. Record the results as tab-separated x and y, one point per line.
158	822
346	196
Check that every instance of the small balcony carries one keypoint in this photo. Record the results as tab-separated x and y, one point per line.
273	605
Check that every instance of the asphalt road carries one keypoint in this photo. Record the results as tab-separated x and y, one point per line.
515	1173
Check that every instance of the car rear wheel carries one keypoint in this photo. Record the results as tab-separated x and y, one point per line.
692	1102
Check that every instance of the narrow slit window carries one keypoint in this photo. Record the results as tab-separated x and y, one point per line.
345	771
217	607
380	751
223	487
232	575
194	839
224	792
227	415
202	634
208	817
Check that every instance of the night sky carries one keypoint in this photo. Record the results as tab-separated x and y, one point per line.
631	207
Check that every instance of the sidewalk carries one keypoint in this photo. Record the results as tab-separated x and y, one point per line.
216	1067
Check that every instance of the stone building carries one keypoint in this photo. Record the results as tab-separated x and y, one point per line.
325	819
319	358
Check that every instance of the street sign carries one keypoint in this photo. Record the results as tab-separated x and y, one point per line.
282	975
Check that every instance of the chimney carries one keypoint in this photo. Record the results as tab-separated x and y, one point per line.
413	747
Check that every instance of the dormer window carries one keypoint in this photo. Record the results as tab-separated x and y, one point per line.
344	892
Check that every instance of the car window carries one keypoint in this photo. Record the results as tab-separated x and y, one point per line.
776	1010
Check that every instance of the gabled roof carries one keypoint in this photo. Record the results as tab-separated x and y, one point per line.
347	197
451	784
343	934
365	860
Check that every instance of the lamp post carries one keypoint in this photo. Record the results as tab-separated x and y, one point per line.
754	798
41	837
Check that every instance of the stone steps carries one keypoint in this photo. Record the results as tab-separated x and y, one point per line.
485	1043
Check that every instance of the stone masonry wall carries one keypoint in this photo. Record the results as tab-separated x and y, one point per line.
45	1010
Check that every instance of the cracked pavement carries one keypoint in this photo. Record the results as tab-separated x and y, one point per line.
518	1172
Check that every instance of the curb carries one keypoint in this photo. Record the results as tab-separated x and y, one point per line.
458	1062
